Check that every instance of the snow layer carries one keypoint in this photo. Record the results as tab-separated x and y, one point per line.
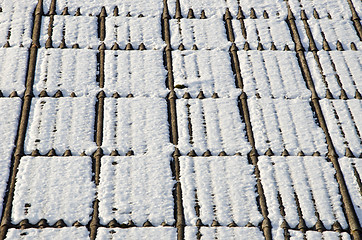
54	188
67	70
154	233
313	235
140	73
82	30
16	21
209	71
9	107
338	9
137	188
272	74
74	233
311	179
206	33
344	122
264	31
333	31
210	124
285	124
13	67
235	233
134	30
344	66
223	187
352	172
134	7
61	123
216	8
138	124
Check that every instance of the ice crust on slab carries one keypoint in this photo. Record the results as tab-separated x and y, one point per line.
140	73
311	179
338	9
234	233
13	67
134	30
314	235
10	110
153	233
344	122
352	169
138	124
61	123
334	30
134	7
54	188
217	8
272	74
80	233
81	30
264	31
205	33
16	21
210	124
223	187
137	188
281	124
209	71
345	66
67	70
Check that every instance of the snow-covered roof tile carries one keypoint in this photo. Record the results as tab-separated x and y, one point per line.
136	188
211	124
140	73
305	184
66	70
138	124
62	124
54	188
219	189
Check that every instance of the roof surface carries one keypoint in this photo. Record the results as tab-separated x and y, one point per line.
181	119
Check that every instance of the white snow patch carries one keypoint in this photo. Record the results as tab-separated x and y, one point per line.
215	126
264	31
16	21
74	233
344	122
205	33
333	30
234	233
141	73
13	66
338	9
311	179
350	168
137	188
313	235
138	124
10	110
209	71
272	74
134	30
225	188
346	65
285	124
134	7
61	123
82	30
217	8
153	233
67	70
54	188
